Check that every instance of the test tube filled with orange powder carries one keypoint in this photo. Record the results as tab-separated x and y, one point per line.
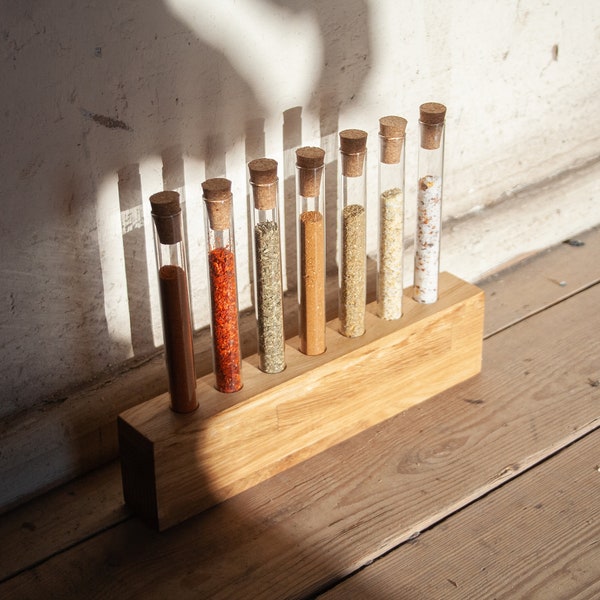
310	231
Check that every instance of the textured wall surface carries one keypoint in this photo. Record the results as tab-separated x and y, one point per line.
104	103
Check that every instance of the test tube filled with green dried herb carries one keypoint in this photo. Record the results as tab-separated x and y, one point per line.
429	202
310	230
218	213
390	257
353	231
174	300
268	290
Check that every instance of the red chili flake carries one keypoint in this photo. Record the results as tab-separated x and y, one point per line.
226	342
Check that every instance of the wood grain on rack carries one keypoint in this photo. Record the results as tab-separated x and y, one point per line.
175	466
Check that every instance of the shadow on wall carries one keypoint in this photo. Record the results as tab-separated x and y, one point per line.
91	92
94	92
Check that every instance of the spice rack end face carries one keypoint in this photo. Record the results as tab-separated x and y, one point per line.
177	465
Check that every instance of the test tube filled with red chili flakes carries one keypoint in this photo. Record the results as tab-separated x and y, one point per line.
227	359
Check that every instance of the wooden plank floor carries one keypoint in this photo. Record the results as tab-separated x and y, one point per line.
499	476
543	529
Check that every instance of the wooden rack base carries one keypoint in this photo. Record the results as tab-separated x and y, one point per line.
175	466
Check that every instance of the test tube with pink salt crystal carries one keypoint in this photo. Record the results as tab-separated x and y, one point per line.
429	202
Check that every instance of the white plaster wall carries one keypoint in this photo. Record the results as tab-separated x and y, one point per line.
103	103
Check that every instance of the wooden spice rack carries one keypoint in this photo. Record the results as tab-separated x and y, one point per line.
177	465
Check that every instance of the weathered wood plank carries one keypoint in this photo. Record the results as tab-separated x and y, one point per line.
540	281
538	537
327	517
60	518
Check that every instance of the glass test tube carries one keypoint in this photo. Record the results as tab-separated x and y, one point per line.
268	291
310	233
429	202
174	300
352	258
227	359
390	257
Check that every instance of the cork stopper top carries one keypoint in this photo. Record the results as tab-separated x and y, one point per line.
166	212
353	146
431	117
263	176
392	130
310	157
432	113
165	204
217	197
353	141
310	161
392	126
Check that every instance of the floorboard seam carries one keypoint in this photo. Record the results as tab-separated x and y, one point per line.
529	315
414	536
68	547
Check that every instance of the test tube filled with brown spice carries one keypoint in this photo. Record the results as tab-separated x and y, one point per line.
390	257
352	257
429	202
268	289
175	302
227	360
310	232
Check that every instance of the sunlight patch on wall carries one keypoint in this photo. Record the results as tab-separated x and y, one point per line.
112	261
264	42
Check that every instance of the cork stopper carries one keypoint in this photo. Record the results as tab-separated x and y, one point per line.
263	176
166	212
311	160
217	196
431	117
392	130
353	146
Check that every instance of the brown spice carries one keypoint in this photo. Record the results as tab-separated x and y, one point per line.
177	332
312	283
